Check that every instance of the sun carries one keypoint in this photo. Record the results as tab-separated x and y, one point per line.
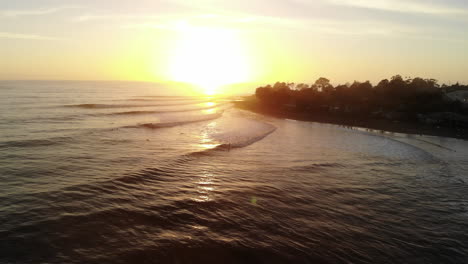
208	58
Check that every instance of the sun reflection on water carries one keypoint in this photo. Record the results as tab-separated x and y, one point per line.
205	182
205	187
209	111
206	141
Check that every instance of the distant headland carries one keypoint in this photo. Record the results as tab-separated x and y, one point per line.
405	105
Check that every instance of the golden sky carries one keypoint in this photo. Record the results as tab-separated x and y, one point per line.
212	43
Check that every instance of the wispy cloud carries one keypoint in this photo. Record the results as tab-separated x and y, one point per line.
251	22
175	21
362	28
254	20
121	17
8	35
196	17
233	21
34	12
404	6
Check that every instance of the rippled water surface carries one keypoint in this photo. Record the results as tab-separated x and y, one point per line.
128	173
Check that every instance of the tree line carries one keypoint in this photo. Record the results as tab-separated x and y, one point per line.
409	97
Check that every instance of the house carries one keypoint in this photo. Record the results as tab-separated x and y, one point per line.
460	95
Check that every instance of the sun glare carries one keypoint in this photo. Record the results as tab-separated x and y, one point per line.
208	58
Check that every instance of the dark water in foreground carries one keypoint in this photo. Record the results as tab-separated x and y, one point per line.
106	173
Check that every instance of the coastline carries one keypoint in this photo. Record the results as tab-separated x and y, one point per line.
381	125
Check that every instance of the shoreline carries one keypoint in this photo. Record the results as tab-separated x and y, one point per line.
379	125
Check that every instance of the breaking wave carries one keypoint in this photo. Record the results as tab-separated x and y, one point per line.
105	106
178	123
165	100
28	143
243	132
239	138
143	112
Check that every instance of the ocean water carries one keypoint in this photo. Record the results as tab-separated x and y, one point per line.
97	172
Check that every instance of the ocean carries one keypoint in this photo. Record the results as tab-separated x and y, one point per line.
124	172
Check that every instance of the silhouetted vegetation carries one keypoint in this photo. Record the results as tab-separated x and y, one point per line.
398	99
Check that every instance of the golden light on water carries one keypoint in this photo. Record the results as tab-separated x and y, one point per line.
206	142
208	58
210	104
205	187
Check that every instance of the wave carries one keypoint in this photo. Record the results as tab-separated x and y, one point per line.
104	106
134	113
165	173
435	144
228	142
143	112
429	151
170	97
242	132
164	100
34	142
248	141
178	123
318	166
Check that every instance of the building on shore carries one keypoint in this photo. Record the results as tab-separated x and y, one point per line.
460	95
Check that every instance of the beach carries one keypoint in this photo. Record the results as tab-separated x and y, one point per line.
377	124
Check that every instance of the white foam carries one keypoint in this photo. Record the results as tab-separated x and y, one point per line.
240	132
177	121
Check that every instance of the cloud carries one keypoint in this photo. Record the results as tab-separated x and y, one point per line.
363	28
176	22
8	35
324	17
34	12
404	6
94	17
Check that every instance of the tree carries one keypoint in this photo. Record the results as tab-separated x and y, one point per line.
410	97
302	86
323	85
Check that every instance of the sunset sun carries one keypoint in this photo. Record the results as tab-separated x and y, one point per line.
208	58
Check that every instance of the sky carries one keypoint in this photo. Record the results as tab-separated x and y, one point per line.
211	43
